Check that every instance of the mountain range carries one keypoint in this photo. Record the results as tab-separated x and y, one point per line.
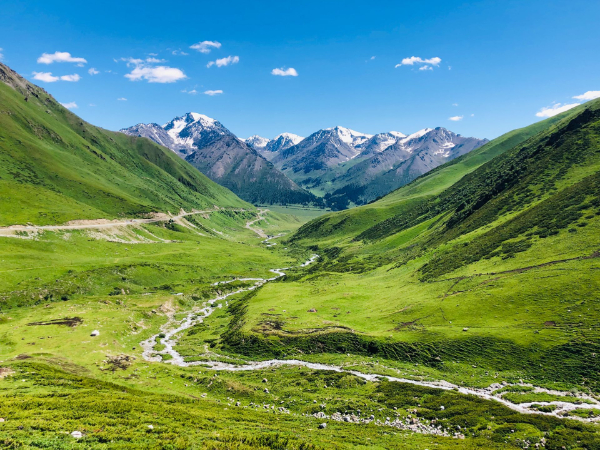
335	167
214	150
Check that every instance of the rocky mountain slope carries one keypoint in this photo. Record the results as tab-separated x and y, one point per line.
320	151
219	154
347	167
380	172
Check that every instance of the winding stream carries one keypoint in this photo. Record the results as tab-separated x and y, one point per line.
172	329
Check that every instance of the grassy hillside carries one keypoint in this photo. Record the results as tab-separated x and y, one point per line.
492	277
55	167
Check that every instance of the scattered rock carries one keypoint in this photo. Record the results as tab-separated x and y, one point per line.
322	426
264	380
95	333
151	427
77	434
442	407
121	362
465	329
312	310
266	391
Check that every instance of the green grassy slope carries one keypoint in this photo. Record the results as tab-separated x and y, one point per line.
493	278
55	167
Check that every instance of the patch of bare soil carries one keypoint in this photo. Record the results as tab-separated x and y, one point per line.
6	372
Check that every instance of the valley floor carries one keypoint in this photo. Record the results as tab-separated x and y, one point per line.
138	324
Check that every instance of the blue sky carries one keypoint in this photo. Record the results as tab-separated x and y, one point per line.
500	62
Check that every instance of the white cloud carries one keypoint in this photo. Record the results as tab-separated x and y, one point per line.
159	74
205	46
144	70
45	76
70	105
211	93
418	60
425	68
154	60
49	58
589	95
92	104
555	109
192	92
454	104
74	77
1	55
372	58
455	118
179	53
131	61
49	78
93	71
291	72
224	61
122	99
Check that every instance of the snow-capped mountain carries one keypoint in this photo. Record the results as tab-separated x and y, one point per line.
379	142
256	142
321	150
407	158
283	142
215	151
348	166
183	134
269	147
433	147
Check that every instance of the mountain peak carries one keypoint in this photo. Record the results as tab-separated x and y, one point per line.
256	142
418	134
189	118
292	136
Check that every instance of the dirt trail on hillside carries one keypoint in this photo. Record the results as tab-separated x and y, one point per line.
259	231
103	223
